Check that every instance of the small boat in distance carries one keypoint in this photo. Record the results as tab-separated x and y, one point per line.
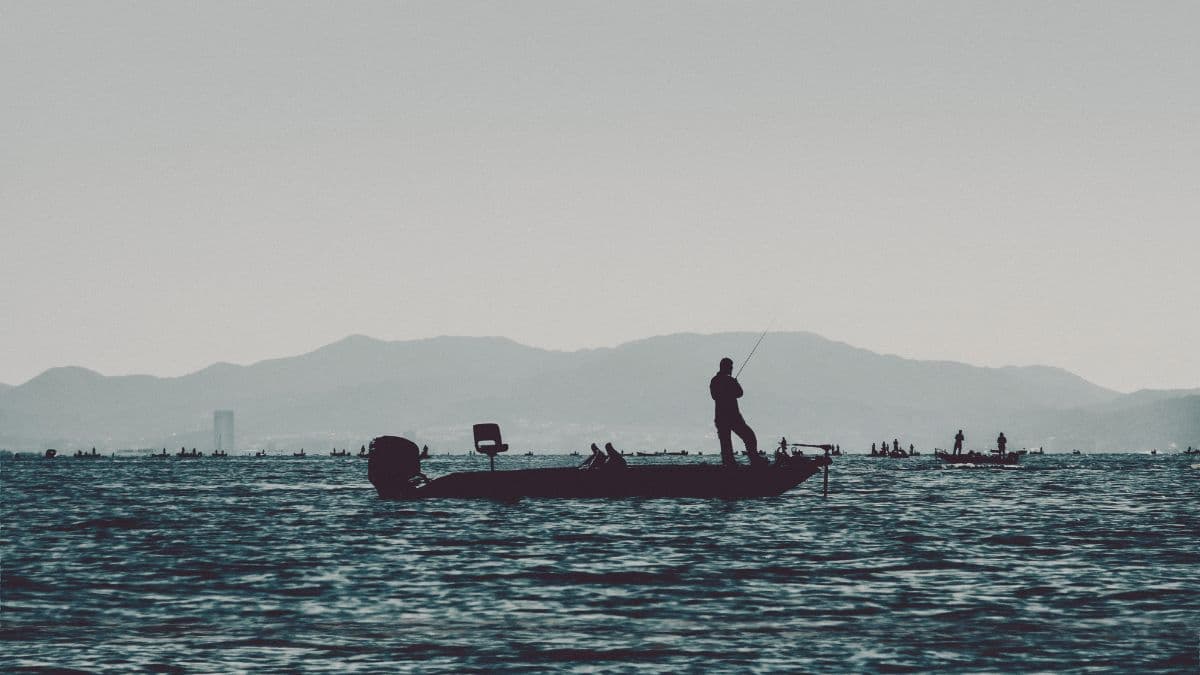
184	453
87	455
973	458
299	454
339	453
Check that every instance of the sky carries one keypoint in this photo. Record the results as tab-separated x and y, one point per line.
999	183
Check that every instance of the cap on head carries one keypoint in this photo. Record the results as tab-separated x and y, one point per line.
726	363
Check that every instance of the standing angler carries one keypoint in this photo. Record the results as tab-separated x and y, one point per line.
725	391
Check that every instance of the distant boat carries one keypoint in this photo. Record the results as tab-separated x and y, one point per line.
980	459
362	452
160	455
425	452
339	453
663	453
1076	452
893	454
219	453
51	453
87	455
299	454
184	453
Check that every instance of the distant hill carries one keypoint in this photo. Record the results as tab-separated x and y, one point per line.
649	393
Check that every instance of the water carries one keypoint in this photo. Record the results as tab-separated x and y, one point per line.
1086	563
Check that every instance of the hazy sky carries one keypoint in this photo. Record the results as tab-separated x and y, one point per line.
996	183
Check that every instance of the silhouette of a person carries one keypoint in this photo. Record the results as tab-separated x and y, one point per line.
895	445
958	441
725	392
872	449
1002	443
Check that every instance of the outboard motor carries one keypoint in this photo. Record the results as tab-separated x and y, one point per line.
394	467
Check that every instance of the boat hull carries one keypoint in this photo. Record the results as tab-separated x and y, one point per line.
1011	459
663	481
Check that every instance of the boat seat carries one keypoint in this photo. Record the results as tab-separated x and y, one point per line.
488	441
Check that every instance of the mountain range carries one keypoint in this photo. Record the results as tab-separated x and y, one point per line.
647	394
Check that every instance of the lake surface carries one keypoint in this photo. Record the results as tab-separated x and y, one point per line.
1084	563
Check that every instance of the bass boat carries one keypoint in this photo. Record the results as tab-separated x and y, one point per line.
978	459
394	468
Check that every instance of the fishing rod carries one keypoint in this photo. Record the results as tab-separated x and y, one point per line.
751	355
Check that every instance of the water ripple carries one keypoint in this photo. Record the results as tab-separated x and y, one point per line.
1088	564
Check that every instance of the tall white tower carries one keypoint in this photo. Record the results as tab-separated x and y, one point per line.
223	430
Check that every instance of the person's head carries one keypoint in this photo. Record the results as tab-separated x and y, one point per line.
726	365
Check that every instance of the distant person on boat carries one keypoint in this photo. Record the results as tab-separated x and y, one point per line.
873	453
1002	443
725	392
958	441
895	445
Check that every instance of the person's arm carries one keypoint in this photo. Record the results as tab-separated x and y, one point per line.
737	388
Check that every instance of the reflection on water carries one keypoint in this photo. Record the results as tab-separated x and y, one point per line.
1068	562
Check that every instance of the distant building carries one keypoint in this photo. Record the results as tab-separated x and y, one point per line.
223	430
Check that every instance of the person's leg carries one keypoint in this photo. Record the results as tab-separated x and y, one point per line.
726	445
745	433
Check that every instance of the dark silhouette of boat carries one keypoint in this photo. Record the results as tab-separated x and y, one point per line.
395	470
663	453
299	454
362	452
339	453
219	453
980	459
184	453
425	452
260	453
1192	451
893	454
160	455
51	453
80	454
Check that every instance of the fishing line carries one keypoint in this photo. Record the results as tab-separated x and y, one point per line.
756	344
